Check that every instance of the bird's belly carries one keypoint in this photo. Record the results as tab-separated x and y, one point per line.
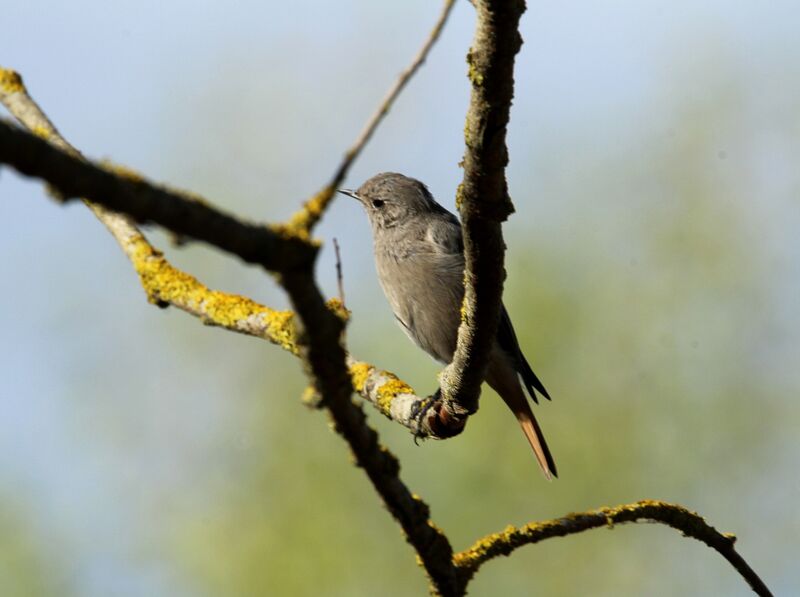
426	302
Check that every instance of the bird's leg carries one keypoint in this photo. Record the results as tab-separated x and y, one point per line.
434	420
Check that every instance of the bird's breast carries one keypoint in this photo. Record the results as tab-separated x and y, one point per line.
424	290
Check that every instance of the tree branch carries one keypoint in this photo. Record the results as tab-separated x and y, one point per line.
326	359
312	211
483	200
74	178
14	96
484	203
167	285
319	346
689	523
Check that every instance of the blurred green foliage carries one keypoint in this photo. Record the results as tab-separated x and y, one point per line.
29	567
635	317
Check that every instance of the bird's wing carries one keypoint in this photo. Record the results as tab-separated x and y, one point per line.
507	340
444	235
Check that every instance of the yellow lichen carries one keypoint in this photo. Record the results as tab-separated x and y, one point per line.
163	283
473	73
10	81
389	391
463	310
122	171
337	306
282	330
386	392
311	397
359	372
475	77
42	131
311	212
504	542
460	189
288	232
483	546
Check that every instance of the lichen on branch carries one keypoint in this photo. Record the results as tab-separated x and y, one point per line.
483	201
689	523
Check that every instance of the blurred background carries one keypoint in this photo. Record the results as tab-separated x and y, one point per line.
653	276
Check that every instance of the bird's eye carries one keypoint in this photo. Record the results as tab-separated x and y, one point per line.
377	203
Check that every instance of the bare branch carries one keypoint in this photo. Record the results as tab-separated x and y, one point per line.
307	217
689	523
74	178
483	200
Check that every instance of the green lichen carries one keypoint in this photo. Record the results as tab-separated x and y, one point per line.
504	542
473	72
460	189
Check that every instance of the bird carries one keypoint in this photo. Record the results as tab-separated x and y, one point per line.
419	257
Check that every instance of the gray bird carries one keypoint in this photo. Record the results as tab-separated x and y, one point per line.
419	256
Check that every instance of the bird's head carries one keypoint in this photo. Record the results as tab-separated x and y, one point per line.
391	199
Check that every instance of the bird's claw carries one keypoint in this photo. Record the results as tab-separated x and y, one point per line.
419	411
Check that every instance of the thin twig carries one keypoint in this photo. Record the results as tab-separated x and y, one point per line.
339	277
392	94
689	523
312	211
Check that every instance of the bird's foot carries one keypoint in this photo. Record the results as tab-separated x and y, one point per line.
419	412
435	420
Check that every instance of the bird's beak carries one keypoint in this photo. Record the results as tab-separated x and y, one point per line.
349	193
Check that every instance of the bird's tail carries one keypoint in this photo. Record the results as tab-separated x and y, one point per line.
536	439
511	392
